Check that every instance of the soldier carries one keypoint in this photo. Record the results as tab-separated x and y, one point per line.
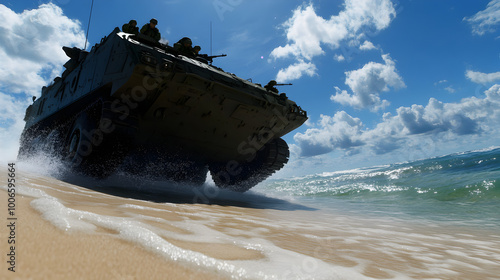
131	27
270	86
196	50
184	47
150	30
75	57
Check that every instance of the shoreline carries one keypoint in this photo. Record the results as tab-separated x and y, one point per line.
45	252
66	231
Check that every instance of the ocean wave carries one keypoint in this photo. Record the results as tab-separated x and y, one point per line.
459	187
461	175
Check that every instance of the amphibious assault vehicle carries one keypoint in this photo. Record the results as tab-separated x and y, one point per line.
138	106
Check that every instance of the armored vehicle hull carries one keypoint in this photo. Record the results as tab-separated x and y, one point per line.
140	107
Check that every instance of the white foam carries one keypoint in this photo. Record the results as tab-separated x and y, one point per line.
129	229
62	217
278	263
437	253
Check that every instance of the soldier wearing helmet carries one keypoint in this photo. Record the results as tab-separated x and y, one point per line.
185	47
196	50
271	86
150	30
131	27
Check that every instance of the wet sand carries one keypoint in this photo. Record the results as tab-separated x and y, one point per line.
65	231
46	252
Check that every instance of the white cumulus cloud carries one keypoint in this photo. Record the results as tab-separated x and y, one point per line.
450	89
366	46
482	78
486	20
31	56
30	46
339	57
437	120
306	32
338	132
296	71
367	83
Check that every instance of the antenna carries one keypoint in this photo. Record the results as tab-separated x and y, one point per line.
210	38
88	27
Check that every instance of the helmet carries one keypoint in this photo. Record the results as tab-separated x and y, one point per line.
186	40
154	21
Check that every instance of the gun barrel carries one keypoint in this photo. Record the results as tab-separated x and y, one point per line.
284	84
214	56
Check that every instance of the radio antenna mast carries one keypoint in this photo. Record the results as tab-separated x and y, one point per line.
210	37
88	26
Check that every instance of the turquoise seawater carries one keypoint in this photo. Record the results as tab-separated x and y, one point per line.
462	188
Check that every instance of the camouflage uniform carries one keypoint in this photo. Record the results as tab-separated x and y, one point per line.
152	32
270	86
130	27
196	50
184	47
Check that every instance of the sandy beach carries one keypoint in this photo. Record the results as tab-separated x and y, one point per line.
45	252
67	231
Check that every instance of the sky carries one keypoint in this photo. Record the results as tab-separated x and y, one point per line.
383	81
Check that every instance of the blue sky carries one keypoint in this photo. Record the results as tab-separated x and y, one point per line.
383	81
